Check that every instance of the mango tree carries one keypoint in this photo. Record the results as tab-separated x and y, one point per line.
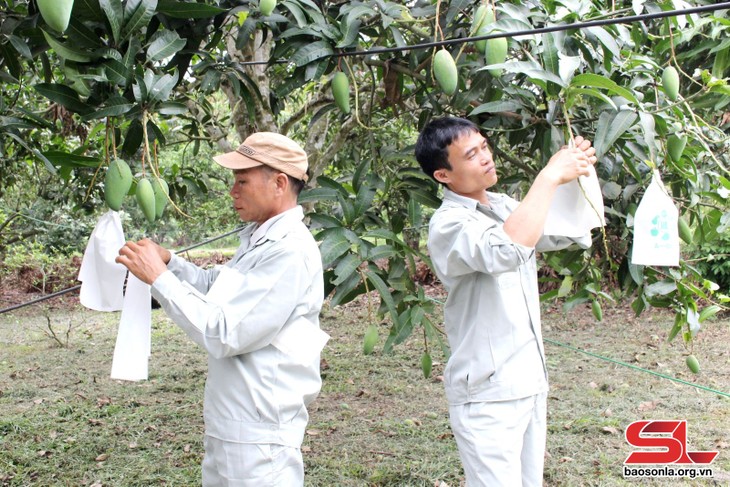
125	78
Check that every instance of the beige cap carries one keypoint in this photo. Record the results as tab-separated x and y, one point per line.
271	149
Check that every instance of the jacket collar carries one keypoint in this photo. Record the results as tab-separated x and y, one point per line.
495	199
275	228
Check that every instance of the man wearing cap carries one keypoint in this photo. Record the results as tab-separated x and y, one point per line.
257	317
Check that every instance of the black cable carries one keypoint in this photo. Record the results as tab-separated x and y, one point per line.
42	298
541	30
78	286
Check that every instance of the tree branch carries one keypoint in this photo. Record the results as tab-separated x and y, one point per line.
395	67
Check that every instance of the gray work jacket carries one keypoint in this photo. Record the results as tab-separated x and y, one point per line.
255	316
492	313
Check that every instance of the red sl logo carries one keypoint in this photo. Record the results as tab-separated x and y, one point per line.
652	434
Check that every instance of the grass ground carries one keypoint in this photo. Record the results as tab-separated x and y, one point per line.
377	422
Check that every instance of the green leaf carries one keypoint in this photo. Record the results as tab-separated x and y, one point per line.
382	233
162	86
597	81
63	95
402	328
133	48
117	72
354	12
648	127
11	60
7	123
363	200
351	33
188	10
346	267
65	159
320	220
140	90
660	288
318	194
334	245
425	197
497	106
606	39
380	252
572	95
296	12
137	15
679	322
529	69
566	287
709	312
115	15
611	126
114	106
311	52
80	36
385	294
67	53
326	182
551	59
21	46
172	108
164	44
638	305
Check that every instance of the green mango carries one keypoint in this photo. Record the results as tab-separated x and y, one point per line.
597	310
685	232
162	192
341	91
444	68
426	364
266	7
693	364
675	146
496	53
371	338
146	199
56	13
117	181
480	25
670	82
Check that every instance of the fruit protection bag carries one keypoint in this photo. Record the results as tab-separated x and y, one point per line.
103	289
102	279
656	235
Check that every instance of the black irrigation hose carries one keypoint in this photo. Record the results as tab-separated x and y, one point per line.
520	33
78	286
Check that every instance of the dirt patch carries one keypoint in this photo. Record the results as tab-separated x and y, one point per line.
30	283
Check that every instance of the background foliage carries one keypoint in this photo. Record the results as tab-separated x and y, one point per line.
162	83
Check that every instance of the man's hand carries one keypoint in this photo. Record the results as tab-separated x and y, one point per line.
570	162
585	145
145	259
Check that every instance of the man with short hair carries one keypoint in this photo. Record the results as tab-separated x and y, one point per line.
482	245
257	317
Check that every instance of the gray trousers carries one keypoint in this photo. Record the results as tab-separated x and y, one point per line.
228	464
503	442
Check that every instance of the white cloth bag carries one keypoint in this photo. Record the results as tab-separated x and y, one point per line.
102	279
102	289
656	235
576	208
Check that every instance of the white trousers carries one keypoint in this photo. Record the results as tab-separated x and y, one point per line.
502	443
228	464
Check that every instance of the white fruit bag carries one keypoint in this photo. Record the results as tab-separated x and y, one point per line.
102	279
656	237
